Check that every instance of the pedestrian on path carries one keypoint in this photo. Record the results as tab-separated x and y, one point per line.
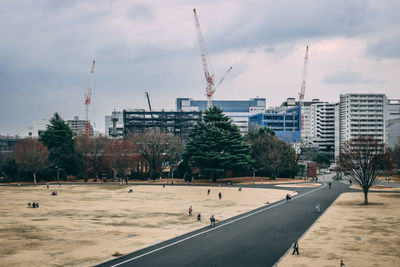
330	185
288	198
199	217
318	207
219	195
190	211
350	182
208	191
212	221
341	263
296	248
47	185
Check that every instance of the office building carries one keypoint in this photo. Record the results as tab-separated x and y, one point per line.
238	110
286	124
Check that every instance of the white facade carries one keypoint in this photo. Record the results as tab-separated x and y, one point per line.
323	127
393	122
78	126
362	115
119	123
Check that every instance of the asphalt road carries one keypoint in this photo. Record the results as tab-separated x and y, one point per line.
256	238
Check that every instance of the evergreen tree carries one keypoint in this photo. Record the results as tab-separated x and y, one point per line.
216	145
59	139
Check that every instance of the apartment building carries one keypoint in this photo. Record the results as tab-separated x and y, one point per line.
323	127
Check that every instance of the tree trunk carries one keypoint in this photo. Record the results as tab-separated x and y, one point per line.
34	178
366	197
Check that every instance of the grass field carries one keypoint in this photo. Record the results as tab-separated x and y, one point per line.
85	225
357	234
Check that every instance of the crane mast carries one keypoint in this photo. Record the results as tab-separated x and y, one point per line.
88	98
148	102
303	88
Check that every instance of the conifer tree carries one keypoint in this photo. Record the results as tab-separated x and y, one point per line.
59	139
216	146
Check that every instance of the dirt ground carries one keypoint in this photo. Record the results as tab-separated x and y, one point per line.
357	234
85	225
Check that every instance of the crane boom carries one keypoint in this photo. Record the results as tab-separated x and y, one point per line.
88	98
303	83
203	52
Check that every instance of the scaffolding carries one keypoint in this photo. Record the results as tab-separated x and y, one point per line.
180	123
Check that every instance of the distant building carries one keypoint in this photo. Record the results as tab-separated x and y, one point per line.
306	133
238	110
119	124
393	122
286	124
361	115
179	123
7	144
78	126
323	127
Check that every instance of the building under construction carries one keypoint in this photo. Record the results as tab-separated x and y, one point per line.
179	123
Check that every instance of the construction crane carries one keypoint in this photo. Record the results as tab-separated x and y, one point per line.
88	98
303	87
210	87
148	102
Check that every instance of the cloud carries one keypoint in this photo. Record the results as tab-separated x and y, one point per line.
347	77
385	48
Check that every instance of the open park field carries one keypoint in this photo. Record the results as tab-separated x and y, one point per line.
85	225
357	234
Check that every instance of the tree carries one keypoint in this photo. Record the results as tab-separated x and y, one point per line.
322	160
90	150
363	159
59	139
120	155
396	156
32	155
216	146
158	148
272	156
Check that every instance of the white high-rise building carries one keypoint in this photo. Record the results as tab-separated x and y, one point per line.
362	115
323	127
393	122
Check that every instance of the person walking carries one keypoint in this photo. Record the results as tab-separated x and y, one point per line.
330	185
296	248
219	195
288	197
190	211
212	221
47	185
199	217
208	191
318	207
350	182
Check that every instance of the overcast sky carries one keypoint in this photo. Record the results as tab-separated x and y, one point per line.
46	50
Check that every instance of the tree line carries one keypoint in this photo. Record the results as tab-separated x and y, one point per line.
215	149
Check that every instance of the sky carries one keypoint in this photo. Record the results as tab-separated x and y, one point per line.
47	48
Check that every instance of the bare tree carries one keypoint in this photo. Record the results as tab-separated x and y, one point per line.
158	148
91	150
32	155
121	156
363	159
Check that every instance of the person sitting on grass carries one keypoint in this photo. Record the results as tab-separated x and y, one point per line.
130	191
33	205
29	205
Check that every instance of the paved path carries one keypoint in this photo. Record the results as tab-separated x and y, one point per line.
256	238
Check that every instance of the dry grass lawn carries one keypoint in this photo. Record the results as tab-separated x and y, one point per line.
85	225
357	234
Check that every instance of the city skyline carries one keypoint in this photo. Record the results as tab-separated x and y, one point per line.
47	48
